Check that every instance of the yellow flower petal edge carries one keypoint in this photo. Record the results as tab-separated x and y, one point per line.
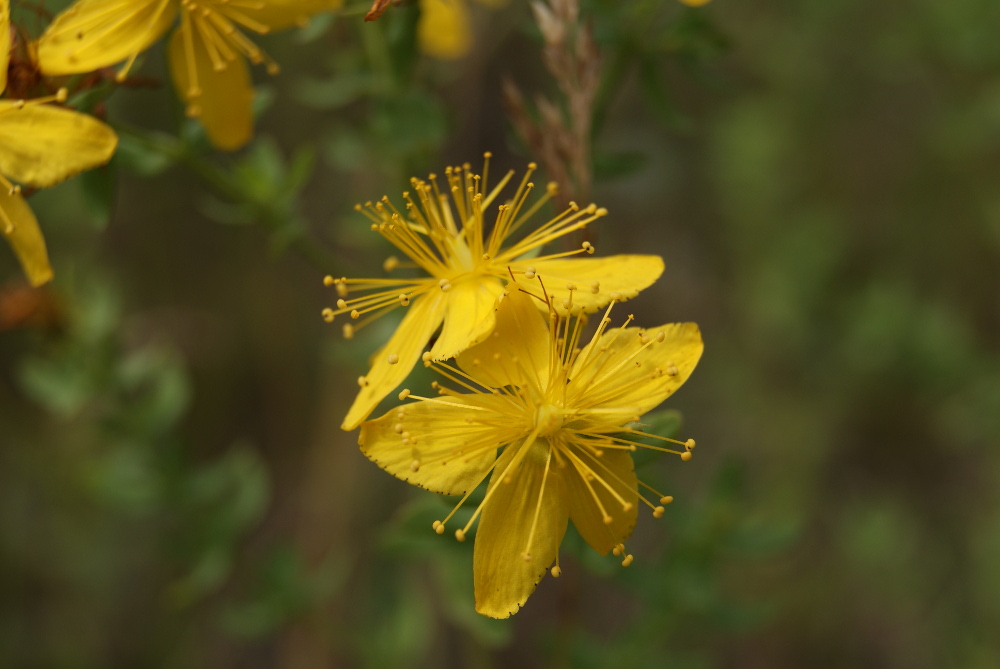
20	228
4	42
92	34
565	418
43	145
465	237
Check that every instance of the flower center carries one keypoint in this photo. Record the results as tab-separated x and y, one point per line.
548	420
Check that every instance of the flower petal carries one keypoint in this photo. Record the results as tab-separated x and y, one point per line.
408	342
504	577
453	454
615	468
281	14
625	274
93	34
444	30
636	383
521	333
469	317
217	91
19	226
42	144
4	42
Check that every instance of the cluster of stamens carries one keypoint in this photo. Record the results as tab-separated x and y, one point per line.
442	232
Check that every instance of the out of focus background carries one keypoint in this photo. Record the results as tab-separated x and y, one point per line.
822	180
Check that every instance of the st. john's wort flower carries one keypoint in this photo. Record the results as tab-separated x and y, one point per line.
552	424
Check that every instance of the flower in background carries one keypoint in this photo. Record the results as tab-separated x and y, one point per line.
463	270
445	27
40	145
565	422
695	3
207	52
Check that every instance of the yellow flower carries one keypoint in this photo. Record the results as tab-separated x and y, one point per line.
445	28
565	422
40	145
207	52
465	269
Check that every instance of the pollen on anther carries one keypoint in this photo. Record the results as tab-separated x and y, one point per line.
689	444
355	314
595	287
686	456
415	466
328	281
404	299
398	428
426	356
362	381
666	499
341	304
445	285
608	520
556	571
529	273
658	512
348	331
392	359
438	526
328	315
526	557
403	394
460	535
627	506
628	560
390	263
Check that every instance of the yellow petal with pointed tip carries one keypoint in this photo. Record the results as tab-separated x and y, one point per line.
441	461
625	274
444	30
19	225
4	42
422	318
615	468
506	568
92	34
636	384
42	144
218	93
521	333
469	316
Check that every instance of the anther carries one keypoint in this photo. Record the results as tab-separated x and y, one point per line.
398	428
460	535
355	314
608	520
390	263
616	296
363	382
628	560
341	304
589	248
689	444
486	257
627	507
328	315
618	550
667	499
445	285
392	359
403	394
529	273
660	336
556	571
415	466
526	557
686	456
658	512
595	287
438	526
672	369
404	299
342	288
328	281
348	331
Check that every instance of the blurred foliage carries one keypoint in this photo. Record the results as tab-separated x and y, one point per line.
820	178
